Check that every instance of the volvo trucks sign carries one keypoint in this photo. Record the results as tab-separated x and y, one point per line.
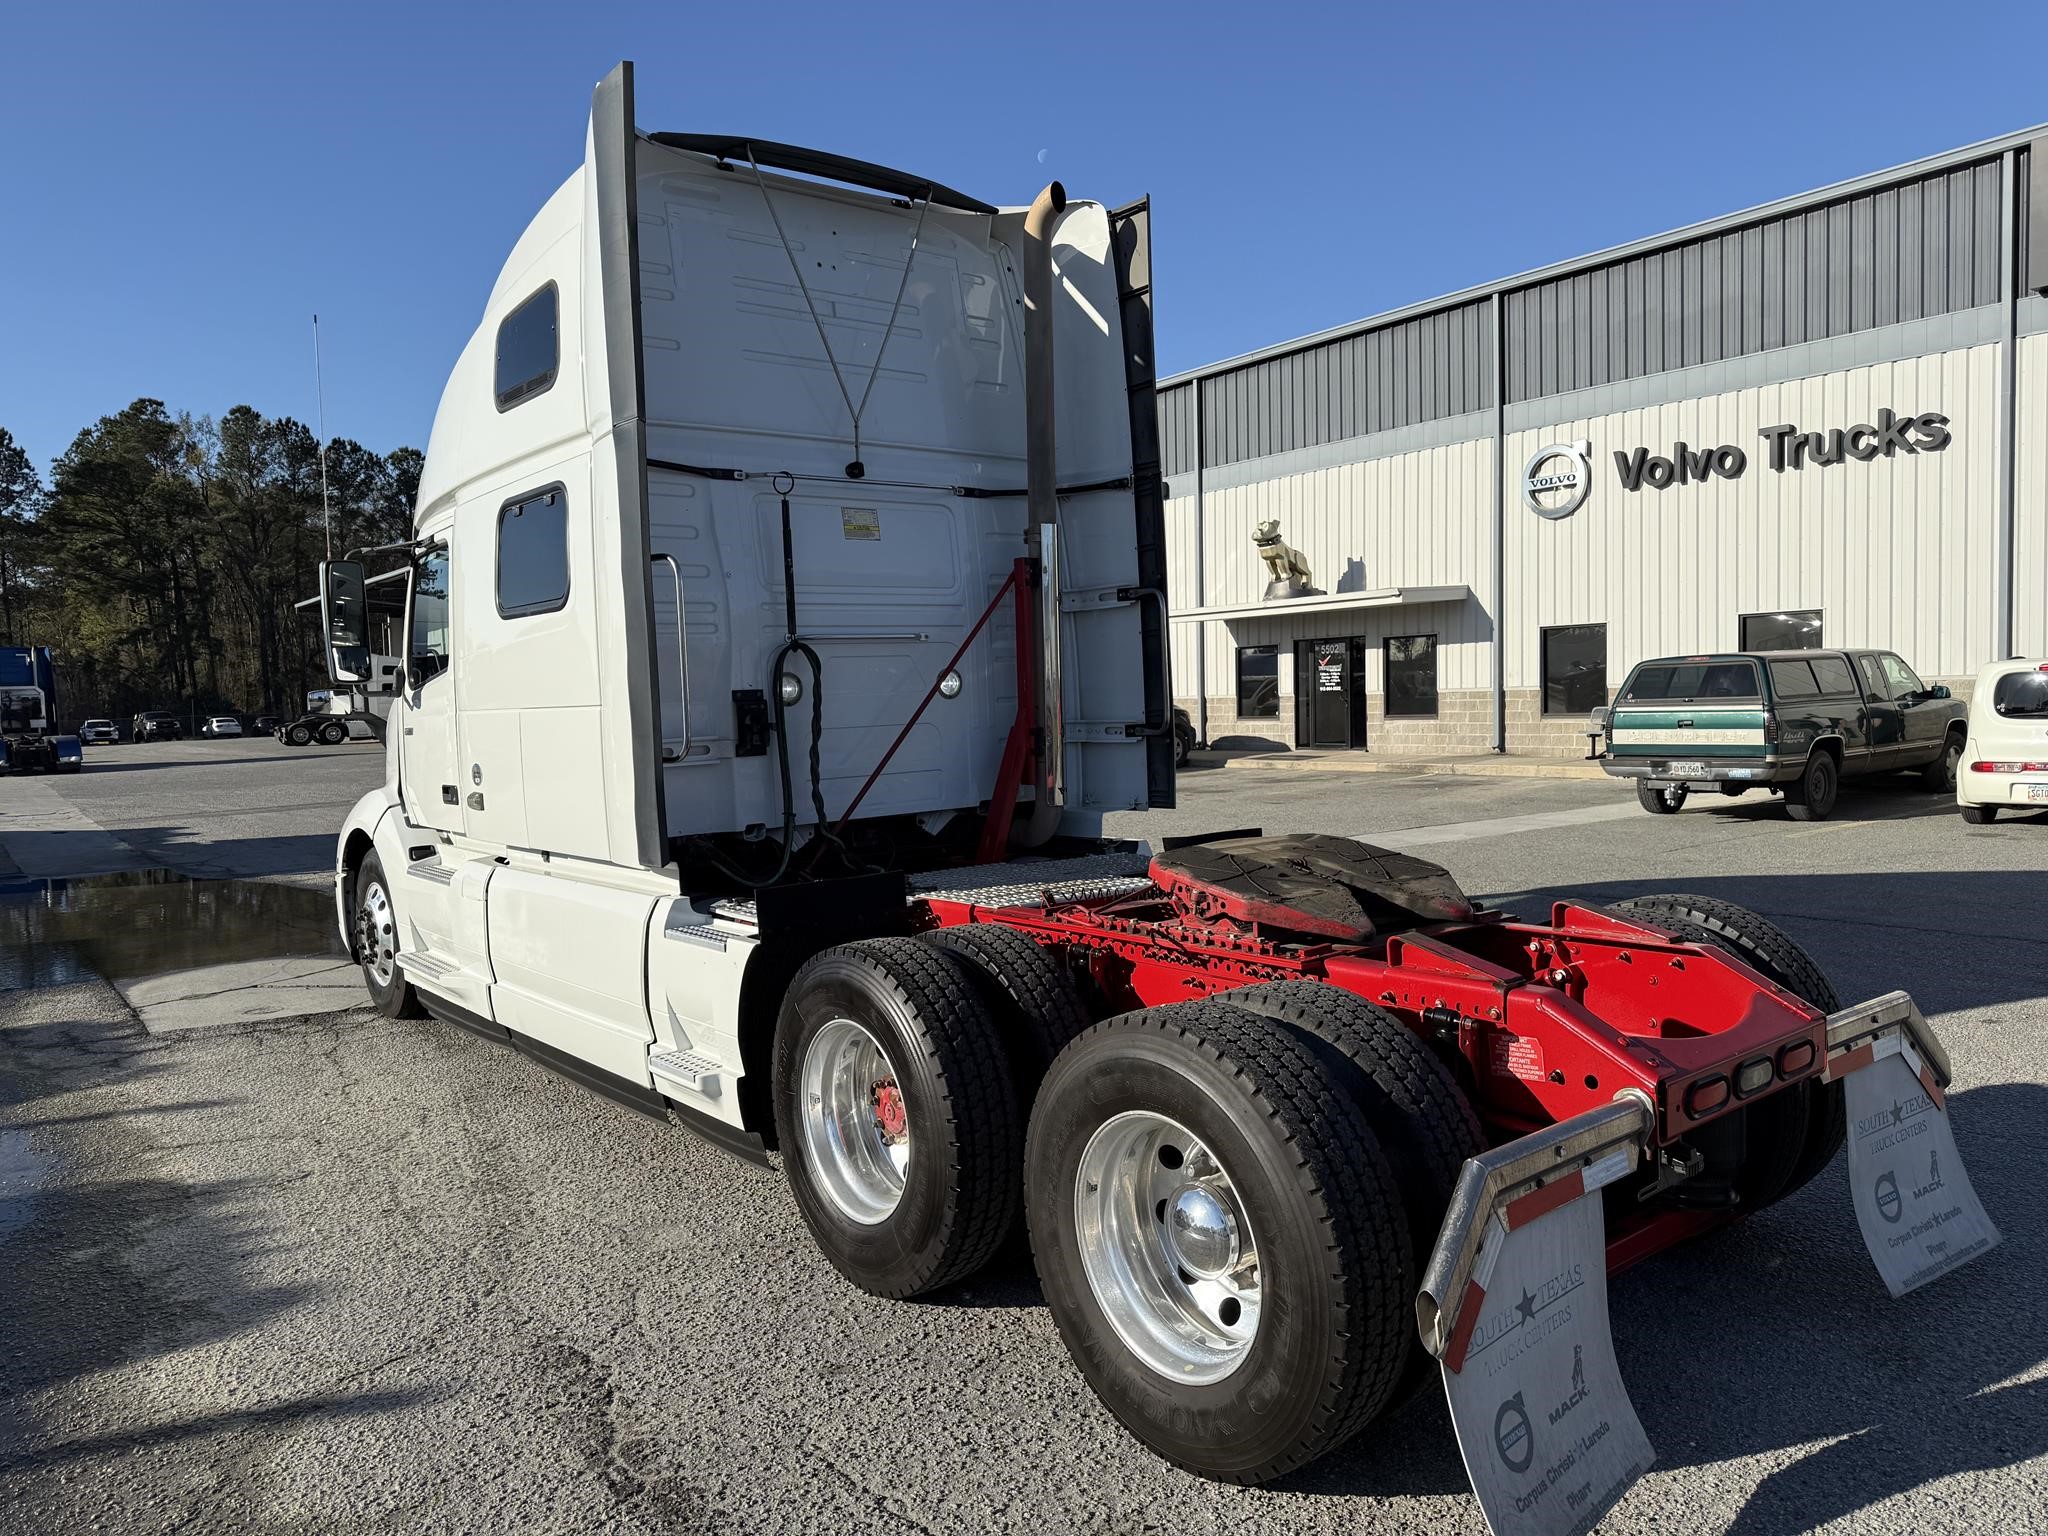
1558	477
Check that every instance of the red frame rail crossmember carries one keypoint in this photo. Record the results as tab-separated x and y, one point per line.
1550	1019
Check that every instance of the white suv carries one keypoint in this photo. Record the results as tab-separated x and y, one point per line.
221	725
2005	763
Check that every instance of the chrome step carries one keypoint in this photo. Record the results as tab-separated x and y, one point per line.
700	1075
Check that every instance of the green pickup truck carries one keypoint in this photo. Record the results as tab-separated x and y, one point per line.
1795	722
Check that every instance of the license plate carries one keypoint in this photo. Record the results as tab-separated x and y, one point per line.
2035	791
1691	771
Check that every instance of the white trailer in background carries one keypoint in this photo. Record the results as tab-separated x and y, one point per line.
784	614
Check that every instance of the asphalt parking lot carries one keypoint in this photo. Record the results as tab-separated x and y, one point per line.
340	1273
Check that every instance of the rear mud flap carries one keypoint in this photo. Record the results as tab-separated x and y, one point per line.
1514	1307
1919	1215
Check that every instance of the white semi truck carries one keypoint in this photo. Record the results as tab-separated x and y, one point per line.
785	612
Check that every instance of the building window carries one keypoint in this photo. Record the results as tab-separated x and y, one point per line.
1411	676
1258	682
1796	631
1574	668
533	554
528	350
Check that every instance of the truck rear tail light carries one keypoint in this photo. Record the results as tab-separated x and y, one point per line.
1754	1076
1771	727
1795	1058
1706	1096
2009	767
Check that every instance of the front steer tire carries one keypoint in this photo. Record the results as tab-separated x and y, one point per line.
959	1192
1795	1133
1318	1198
376	943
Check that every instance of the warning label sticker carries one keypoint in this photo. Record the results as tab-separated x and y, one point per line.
1518	1056
860	522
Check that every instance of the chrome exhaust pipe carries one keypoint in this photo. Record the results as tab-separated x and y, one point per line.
1042	502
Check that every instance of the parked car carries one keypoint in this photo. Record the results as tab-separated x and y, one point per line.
221	725
1795	722
101	733
266	725
2005	759
1183	737
156	725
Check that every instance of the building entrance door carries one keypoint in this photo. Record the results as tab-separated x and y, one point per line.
1329	693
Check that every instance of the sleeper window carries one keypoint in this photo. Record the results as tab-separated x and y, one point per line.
529	350
533	554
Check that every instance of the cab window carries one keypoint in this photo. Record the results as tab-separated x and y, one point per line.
427	656
1873	678
1902	678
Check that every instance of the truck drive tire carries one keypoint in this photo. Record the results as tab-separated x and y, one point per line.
1220	1238
376	944
896	1116
333	734
1027	989
1813	797
1794	1133
1410	1098
298	735
1660	800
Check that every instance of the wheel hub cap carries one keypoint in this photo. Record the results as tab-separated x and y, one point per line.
856	1122
1166	1247
1201	1233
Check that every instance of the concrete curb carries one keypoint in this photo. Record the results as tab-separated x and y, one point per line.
1487	767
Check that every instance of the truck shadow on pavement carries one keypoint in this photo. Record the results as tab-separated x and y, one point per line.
107	1267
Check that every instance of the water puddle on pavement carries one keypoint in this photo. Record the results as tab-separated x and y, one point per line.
155	922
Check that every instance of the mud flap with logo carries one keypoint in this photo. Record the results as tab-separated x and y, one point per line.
1514	1307
1919	1215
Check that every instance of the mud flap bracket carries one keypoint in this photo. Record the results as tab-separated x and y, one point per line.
1514	1306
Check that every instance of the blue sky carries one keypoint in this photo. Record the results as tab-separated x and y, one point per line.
181	187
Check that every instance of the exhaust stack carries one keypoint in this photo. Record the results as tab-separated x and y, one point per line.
1041	530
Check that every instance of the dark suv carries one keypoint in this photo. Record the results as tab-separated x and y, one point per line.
1797	722
157	725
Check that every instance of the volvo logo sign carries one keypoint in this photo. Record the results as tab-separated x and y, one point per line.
1557	479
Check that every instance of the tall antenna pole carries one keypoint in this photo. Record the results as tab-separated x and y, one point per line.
320	398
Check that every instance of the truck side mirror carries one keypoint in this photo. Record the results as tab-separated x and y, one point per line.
1938	691
344	621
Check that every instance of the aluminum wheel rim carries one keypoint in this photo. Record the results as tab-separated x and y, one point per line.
856	1129
379	934
1167	1248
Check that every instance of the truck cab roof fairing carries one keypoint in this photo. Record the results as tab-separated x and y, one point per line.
817	162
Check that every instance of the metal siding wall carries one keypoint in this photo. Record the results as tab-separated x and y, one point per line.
1182	591
1926	247
1894	552
2030	536
1409	519
1420	370
1177	431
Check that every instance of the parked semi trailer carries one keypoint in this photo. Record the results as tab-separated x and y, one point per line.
776	641
29	739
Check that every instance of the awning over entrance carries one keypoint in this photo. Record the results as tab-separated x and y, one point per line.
1334	602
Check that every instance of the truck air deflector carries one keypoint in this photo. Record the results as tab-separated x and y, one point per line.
828	167
612	145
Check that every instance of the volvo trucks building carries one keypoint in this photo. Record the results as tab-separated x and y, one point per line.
1819	422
